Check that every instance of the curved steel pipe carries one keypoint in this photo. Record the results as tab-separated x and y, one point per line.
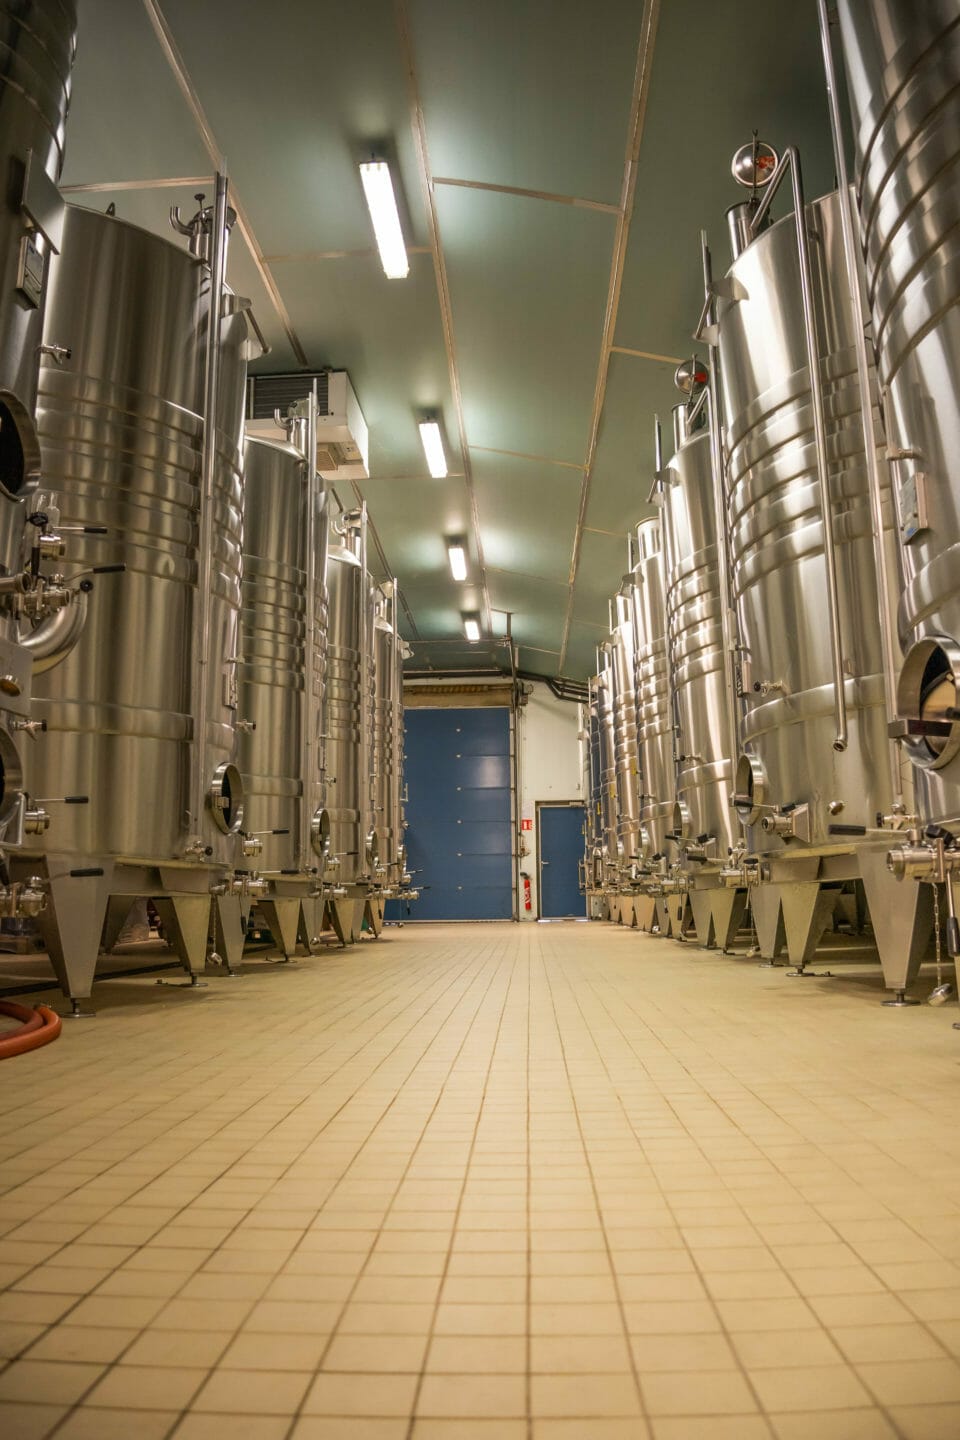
52	641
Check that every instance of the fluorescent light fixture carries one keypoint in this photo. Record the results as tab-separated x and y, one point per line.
382	204
432	442
457	555
471	628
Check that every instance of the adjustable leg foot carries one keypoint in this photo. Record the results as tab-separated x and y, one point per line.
77	1014
801	973
900	1000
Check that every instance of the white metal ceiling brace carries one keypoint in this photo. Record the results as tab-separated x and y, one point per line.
638	106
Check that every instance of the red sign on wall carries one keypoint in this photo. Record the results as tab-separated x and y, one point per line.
526	824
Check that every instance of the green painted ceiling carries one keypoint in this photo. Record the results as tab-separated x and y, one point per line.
531	365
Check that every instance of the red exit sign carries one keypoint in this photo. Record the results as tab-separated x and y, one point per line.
526	824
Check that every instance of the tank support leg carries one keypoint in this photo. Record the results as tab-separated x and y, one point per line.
807	911
901	913
768	921
336	924
186	921
727	911
282	914
228	922
700	904
71	922
373	914
645	908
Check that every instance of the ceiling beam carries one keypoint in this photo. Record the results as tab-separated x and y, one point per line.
555	199
522	455
418	125
168	45
168	183
645	355
638	107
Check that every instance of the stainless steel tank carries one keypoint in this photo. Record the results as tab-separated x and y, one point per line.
703	822
608	769
387	749
903	71
626	755
654	719
349	715
37	45
122	436
814	771
271	670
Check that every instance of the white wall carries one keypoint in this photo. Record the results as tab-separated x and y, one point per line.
549	770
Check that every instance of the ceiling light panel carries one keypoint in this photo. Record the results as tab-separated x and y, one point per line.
385	217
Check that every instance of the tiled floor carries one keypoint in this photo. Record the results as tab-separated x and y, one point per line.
485	1183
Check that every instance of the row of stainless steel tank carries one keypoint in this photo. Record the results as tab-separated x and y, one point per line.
219	725
809	520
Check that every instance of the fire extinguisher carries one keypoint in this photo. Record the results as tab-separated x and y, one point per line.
527	897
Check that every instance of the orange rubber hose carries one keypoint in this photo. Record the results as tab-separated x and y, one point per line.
38	1027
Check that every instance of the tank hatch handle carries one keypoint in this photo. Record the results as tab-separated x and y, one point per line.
846	829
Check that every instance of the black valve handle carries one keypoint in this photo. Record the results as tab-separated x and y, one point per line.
280	832
108	569
846	829
83	874
94	530
76	799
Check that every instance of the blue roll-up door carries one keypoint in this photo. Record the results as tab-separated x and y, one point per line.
459	829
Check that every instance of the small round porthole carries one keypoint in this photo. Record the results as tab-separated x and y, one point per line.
320	834
225	798
750	791
929	690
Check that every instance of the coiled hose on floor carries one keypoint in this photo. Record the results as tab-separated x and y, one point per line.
38	1027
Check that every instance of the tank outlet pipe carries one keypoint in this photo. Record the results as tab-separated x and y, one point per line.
727	622
217	253
791	162
853	259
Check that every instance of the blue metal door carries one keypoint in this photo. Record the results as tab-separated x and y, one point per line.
561	850
460	834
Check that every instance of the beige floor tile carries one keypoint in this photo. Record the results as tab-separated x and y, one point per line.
670	1317
236	1427
501	1429
576	1319
589	1396
384	1354
913	1382
481	1354
479	1320
252	1392
713	1427
598	1429
865	1343
661	1287
836	1425
95	1423
73	1342
29	1422
778	1349
857	1310
188	1349
472	1396
691	1352
809	1388
147	1387
340	1428
926	1422
583	1354
711	1392
370	1396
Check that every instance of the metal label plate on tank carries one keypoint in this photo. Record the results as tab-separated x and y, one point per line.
912	505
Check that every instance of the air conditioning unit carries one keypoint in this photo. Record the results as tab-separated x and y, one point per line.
343	448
